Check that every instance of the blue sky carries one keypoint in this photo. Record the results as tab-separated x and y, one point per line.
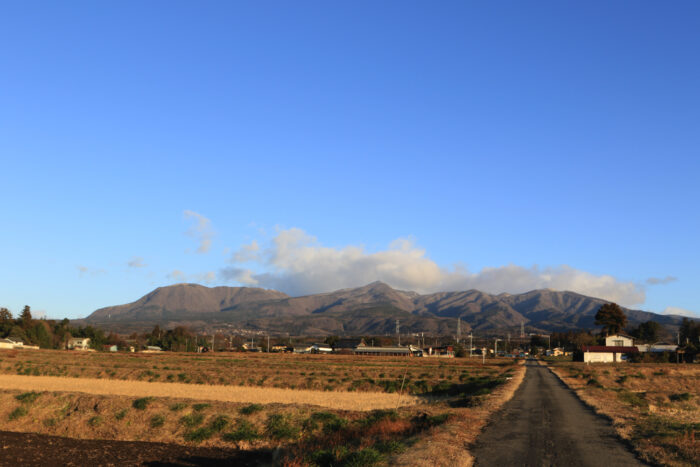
309	146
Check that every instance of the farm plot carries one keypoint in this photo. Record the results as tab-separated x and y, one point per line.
298	432
418	376
654	406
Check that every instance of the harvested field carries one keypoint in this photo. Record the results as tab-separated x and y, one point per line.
419	376
334	400
301	426
654	406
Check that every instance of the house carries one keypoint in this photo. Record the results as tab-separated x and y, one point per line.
394	351
303	348
657	347
619	340
251	347
555	352
607	353
321	348
347	346
78	343
109	348
444	351
152	349
10	344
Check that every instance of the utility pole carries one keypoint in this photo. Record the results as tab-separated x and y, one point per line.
268	343
398	333
213	336
495	347
522	329
471	346
459	329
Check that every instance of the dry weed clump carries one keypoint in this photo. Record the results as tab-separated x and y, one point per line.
654	406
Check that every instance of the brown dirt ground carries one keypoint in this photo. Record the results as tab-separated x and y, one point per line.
17	449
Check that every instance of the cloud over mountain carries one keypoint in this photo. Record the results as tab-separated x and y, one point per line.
201	230
296	263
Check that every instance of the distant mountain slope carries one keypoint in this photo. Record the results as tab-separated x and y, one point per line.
188	298
371	309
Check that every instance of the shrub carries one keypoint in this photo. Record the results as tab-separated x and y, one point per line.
121	414
27	397
95	421
49	422
192	420
245	431
279	427
219	423
199	435
157	421
250	409
594	382
684	396
178	406
378	415
390	447
142	403
200	407
17	413
363	458
633	398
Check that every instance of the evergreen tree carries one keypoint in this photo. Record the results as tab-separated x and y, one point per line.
611	317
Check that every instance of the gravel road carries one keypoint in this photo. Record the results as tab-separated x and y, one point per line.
545	424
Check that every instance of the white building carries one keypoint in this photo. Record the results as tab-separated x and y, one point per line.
11	344
619	340
78	343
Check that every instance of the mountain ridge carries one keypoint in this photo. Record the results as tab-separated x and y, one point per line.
371	308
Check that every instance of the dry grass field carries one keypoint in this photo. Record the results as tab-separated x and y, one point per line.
291	371
654	406
349	413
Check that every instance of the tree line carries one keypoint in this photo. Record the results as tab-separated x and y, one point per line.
49	333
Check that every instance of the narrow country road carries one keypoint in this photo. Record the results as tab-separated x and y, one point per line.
545	424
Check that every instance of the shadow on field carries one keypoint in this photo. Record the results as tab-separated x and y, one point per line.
250	458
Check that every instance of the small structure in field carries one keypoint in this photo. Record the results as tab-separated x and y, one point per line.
393	351
347	346
658	347
152	349
109	348
606	353
78	343
11	344
303	348
445	351
321	348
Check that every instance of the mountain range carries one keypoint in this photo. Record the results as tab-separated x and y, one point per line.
371	309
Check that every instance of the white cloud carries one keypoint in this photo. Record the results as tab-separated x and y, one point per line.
84	270
246	253
297	264
176	275
673	310
201	229
207	277
661	280
136	262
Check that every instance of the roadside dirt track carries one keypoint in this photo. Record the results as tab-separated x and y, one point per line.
24	449
360	401
545	424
